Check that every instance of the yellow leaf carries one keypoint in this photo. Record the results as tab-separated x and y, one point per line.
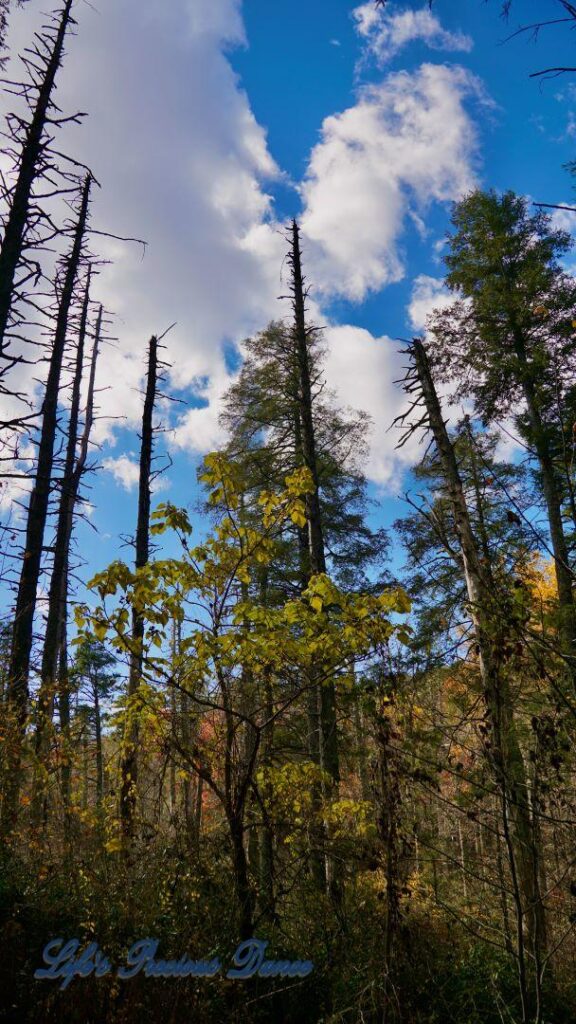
298	518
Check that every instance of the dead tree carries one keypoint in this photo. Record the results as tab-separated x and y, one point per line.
57	597
322	709
42	62
129	763
22	635
62	654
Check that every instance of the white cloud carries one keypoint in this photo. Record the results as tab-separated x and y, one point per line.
14	492
198	430
183	164
428	295
563	220
362	370
406	143
386	32
221	21
125	471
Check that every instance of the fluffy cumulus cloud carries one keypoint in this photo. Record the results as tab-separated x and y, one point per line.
199	429
183	164
125	471
385	31
428	295
407	142
363	369
563	219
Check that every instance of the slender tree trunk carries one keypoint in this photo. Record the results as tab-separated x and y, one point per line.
463	863
187	787
191	785
198	810
387	795
564	575
65	734
3	676
174	720
482	531
63	674
317	864
325	694
266	865
85	768
242	882
505	756
35	529
57	596
552	497
361	750
98	738
15	229
503	890
129	765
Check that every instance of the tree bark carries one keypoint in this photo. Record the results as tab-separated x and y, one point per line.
14	232
65	741
35	529
98	738
129	765
322	697
387	797
57	597
242	882
552	498
505	756
266	864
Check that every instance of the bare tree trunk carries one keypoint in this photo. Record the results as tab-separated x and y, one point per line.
317	863
98	738
266	865
240	865
505	755
14	232
85	768
129	765
187	788
65	735
361	750
388	806
35	529
198	810
57	596
325	693
552	498
186	733
563	572
63	675
463	862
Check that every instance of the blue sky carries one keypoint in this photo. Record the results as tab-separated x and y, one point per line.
213	121
301	66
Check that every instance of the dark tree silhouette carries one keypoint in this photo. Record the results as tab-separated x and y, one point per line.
17	699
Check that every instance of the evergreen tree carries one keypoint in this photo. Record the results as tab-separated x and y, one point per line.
93	677
509	344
